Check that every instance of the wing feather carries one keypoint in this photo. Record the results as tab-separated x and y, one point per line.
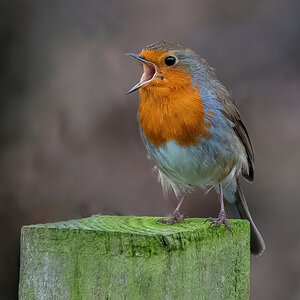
232	113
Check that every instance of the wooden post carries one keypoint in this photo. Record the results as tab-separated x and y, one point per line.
113	257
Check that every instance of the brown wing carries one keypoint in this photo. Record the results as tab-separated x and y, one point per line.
232	113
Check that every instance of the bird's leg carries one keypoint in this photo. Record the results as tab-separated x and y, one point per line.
176	216
222	215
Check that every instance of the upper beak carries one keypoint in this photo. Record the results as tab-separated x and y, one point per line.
150	71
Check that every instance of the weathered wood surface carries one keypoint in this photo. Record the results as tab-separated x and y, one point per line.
113	257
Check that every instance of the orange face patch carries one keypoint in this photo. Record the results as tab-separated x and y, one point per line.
173	75
171	109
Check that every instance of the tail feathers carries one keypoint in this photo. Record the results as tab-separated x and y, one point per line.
239	210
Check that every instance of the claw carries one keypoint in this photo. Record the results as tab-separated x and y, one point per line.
176	217
221	220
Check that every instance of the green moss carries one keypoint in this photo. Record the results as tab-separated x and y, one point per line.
113	257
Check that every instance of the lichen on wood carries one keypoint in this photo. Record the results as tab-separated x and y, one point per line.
116	257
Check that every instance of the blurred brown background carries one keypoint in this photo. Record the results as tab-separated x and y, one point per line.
70	145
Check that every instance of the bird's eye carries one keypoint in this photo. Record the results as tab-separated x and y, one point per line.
170	60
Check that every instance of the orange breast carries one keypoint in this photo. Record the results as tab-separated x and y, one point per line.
173	114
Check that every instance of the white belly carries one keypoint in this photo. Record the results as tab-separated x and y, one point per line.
205	165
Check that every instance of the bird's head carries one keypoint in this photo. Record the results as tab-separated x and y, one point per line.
166	66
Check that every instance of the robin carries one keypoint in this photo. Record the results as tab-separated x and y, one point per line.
194	132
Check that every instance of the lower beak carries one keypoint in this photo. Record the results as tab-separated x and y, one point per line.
150	71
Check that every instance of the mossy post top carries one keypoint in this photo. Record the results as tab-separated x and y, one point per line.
139	225
137	229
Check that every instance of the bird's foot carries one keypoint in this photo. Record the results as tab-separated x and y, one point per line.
221	220
176	217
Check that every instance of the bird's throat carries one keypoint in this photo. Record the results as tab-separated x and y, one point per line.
177	115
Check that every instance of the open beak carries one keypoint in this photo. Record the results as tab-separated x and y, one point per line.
150	71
